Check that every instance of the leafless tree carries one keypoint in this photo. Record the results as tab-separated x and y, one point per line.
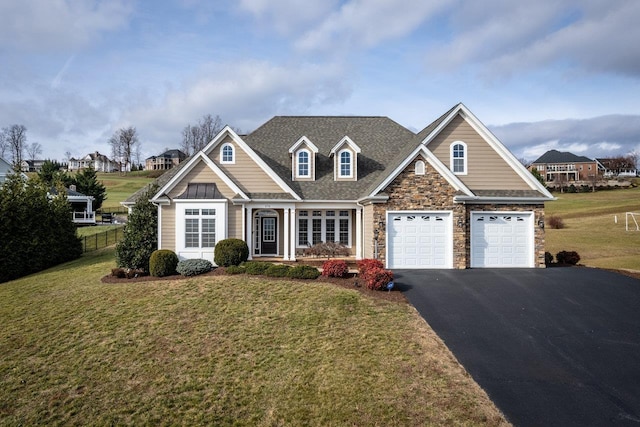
15	137
123	146
525	162
34	150
3	144
634	156
195	138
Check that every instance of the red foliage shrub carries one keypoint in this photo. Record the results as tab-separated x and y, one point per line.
568	257
377	278
367	264
335	268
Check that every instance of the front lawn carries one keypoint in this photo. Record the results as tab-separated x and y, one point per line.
221	350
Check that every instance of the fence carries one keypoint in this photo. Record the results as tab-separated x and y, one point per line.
102	240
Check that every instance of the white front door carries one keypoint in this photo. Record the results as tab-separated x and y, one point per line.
419	240
502	239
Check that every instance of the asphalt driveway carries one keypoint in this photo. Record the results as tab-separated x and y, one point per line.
551	347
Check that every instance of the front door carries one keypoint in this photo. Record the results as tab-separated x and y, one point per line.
268	245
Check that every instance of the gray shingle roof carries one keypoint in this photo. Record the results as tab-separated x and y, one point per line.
555	156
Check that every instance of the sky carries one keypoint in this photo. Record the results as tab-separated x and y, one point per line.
549	74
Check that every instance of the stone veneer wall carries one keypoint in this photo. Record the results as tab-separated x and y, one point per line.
432	192
422	192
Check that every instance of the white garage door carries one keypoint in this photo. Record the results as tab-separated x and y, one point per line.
419	240
502	239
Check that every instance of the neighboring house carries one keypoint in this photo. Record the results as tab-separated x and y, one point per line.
164	161
81	204
31	165
99	162
559	166
6	169
451	196
617	167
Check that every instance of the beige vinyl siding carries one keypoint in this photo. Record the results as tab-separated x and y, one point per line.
245	172
168	232
201	173
234	221
367	219
486	170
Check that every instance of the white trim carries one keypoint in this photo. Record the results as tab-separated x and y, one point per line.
349	142
307	142
339	163
465	156
297	163
184	252
227	131
323	224
474	263
233	154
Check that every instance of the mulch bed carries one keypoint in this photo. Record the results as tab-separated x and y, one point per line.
350	282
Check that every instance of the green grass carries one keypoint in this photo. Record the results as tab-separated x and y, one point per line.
591	228
121	186
220	350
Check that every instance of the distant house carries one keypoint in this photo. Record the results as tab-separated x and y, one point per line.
556	166
99	162
81	204
31	165
622	167
6	169
164	161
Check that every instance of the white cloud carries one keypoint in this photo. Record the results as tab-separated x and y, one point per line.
288	16
42	25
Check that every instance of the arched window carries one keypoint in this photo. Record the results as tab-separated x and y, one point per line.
227	154
459	158
304	169
419	167
345	164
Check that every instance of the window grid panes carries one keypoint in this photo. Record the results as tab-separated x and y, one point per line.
191	233
208	232
330	229
316	235
227	154
344	231
458	158
199	228
303	163
303	230
324	226
345	163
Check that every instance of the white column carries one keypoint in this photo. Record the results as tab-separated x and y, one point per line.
293	231
287	239
358	233
249	232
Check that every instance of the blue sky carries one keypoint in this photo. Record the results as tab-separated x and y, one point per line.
559	74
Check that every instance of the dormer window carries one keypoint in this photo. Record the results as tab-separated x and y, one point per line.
227	154
459	158
345	164
304	169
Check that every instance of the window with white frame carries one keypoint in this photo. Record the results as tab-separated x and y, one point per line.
199	228
319	226
459	158
227	154
345	166
304	164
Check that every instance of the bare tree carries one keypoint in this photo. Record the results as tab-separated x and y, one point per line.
195	138
15	136
34	150
3	144
123	145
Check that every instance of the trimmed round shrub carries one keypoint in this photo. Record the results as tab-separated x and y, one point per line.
368	263
377	278
163	262
304	272
335	268
235	269
193	267
277	270
256	267
230	252
567	257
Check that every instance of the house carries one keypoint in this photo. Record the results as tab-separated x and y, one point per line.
164	161
81	204
560	166
97	161
450	196
620	167
7	169
31	165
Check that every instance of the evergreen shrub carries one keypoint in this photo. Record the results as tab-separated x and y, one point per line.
163	262
193	267
230	252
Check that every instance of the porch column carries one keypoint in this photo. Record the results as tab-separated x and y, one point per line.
293	231
287	240
249	232
358	233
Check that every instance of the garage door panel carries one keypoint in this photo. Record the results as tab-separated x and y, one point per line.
420	240
502	239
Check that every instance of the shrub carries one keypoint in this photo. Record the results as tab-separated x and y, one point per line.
230	252
567	257
555	222
548	259
235	269
193	267
377	278
327	249
119	273
368	263
335	268
163	262
256	267
304	272
277	270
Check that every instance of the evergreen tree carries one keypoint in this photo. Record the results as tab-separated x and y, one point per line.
87	183
140	234
51	174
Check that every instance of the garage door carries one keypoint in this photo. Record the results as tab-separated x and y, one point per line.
419	240
502	239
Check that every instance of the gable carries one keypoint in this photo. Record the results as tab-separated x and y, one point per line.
201	173
486	169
